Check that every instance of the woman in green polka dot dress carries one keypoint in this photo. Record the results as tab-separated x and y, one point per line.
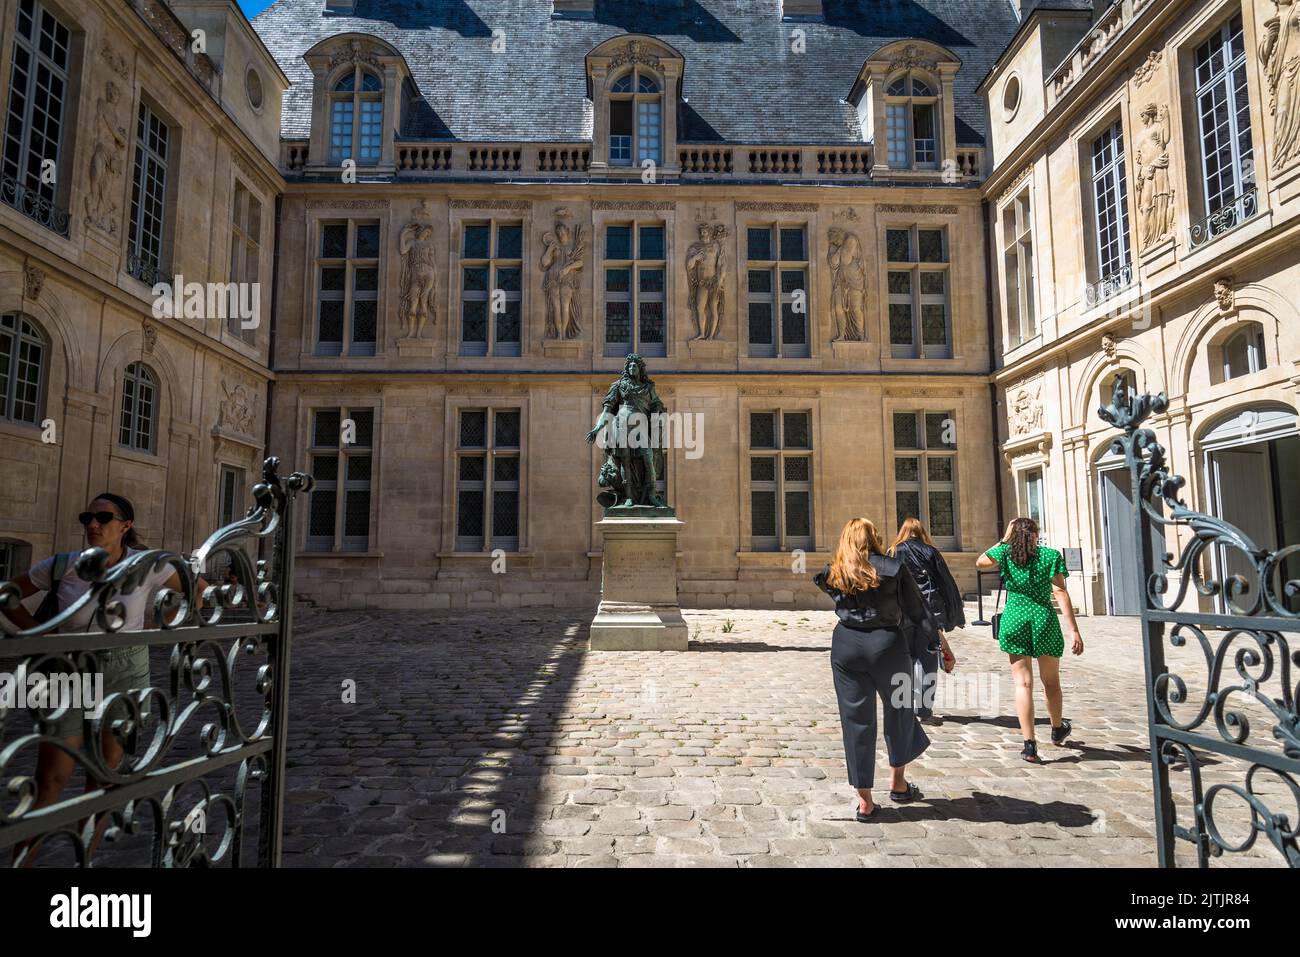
1033	575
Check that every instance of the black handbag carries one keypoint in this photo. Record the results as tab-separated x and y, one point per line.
996	620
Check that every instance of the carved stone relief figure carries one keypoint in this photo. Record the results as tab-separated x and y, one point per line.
33	281
848	285
706	270
1280	53
560	265
1225	294
105	161
1155	194
419	278
1027	410
236	409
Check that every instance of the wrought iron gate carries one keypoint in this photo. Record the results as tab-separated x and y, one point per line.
1248	653
181	738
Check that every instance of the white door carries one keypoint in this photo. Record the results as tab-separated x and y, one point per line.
1242	484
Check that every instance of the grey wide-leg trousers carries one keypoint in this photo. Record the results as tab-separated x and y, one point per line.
868	665
925	673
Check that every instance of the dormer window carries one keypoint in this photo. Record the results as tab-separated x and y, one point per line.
912	121
357	117
635	119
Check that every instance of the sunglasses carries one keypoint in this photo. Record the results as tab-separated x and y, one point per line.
103	518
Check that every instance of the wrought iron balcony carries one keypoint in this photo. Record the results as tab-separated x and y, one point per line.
1240	210
1098	292
33	205
146	270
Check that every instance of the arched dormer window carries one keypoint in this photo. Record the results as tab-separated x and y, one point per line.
634	83
906	107
1243	352
635	119
912	119
361	85
138	428
1106	387
357	117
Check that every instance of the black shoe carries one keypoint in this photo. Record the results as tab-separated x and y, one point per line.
1061	734
913	793
864	818
1030	753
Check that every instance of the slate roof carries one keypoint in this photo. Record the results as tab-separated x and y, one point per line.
742	82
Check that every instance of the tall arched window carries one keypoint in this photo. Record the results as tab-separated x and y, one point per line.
357	117
23	355
1106	388
635	119
1243	352
139	427
912	122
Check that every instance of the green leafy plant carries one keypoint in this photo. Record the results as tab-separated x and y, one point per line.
728	626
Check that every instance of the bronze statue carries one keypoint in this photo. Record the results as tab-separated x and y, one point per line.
628	421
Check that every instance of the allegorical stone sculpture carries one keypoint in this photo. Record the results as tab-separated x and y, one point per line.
1155	194
419	279
706	270
561	263
848	285
1280	53
625	425
105	162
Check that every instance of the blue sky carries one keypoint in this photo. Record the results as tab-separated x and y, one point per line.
252	8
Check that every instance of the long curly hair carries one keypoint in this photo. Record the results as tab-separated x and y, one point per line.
851	569
1022	536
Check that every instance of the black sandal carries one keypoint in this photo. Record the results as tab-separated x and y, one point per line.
913	793
864	818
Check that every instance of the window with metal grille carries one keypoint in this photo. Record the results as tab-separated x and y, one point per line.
1018	257
487	479
1110	203
245	249
778	286
138	428
780	480
341	454
925	472
149	198
23	352
1223	107
347	284
919	321
38	89
491	288
357	118
635	273
911	122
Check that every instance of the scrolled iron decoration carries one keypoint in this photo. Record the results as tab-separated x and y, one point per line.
195	704
1251	653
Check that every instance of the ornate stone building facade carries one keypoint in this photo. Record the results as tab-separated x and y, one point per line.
488	205
1144	204
141	141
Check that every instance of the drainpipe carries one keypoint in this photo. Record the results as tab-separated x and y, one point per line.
993	389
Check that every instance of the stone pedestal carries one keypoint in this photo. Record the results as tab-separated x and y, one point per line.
423	348
638	590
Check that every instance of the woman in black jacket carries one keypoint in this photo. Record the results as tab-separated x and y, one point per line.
877	602
943	599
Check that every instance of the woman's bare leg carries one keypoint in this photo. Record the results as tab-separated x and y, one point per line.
1049	673
1022	674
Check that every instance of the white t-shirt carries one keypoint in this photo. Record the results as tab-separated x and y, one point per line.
72	587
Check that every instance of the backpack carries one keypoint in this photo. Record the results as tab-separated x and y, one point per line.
49	606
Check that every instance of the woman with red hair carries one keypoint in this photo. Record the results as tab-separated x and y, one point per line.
877	603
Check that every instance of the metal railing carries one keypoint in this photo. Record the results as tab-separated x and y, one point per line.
1098	292
33	205
1242	209
182	736
1247	651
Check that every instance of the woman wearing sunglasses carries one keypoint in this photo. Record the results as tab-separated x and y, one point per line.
109	521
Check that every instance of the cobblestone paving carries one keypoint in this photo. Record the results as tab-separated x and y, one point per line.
498	739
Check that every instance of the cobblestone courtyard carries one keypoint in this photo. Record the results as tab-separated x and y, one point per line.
496	739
